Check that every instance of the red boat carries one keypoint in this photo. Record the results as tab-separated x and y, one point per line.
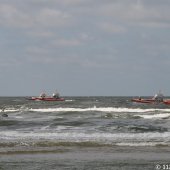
167	101
158	98
44	97
144	100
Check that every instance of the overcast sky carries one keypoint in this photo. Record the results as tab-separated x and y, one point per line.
84	47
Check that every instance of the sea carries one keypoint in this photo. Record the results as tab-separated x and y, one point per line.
84	133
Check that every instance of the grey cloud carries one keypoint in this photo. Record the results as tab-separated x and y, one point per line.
139	12
113	39
13	15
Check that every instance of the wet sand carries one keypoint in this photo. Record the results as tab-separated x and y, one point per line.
124	158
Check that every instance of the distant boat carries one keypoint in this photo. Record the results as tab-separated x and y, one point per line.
167	102
158	98
140	100
44	97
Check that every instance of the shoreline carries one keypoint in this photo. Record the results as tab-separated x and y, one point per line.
87	158
108	150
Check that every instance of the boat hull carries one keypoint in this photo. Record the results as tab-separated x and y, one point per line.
144	100
46	99
167	102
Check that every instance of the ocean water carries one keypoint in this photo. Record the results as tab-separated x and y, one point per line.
84	133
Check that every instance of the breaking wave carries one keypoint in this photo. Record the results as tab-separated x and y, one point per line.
128	139
155	116
99	109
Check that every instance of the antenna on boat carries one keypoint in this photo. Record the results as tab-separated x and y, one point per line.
159	96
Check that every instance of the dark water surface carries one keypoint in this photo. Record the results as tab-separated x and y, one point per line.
83	133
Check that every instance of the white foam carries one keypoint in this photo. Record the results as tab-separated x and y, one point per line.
9	110
18	117
155	116
99	109
142	144
107	138
69	100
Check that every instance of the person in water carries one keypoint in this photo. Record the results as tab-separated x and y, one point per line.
4	114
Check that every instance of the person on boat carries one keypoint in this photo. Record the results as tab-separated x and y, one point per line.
42	95
158	97
56	95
